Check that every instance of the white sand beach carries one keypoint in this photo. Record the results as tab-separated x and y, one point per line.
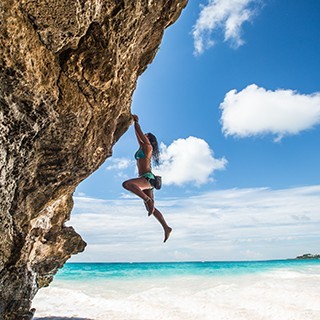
271	295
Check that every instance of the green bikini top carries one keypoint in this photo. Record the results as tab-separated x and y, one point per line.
139	154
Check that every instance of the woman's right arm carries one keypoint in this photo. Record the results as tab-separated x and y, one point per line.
142	139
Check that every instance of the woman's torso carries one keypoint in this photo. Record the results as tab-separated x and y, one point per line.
143	157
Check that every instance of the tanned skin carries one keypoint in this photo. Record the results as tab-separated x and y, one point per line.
140	186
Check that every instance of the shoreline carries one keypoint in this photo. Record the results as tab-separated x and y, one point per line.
180	293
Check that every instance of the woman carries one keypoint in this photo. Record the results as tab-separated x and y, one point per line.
143	186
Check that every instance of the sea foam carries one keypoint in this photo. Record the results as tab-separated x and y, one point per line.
284	294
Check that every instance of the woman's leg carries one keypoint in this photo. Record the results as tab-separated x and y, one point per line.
137	186
158	215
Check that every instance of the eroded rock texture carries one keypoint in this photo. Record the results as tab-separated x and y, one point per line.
68	71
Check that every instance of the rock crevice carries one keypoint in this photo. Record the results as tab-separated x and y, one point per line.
68	70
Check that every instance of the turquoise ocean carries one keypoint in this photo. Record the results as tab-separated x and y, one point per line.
253	290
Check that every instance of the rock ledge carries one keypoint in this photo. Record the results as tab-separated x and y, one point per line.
68	70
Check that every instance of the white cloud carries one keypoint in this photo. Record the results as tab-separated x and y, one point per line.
225	15
188	160
234	224
119	163
257	111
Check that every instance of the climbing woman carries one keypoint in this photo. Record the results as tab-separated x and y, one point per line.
143	186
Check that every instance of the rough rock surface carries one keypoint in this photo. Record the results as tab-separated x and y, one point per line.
68	69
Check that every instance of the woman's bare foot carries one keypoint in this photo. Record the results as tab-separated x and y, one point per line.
167	232
149	205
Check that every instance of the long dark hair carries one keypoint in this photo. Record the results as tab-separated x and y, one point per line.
155	148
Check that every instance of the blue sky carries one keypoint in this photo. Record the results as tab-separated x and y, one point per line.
233	96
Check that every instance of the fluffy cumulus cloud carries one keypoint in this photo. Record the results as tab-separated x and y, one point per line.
188	161
225	15
257	111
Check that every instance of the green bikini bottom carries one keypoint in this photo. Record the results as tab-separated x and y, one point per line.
149	176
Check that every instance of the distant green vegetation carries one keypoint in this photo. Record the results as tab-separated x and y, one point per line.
309	256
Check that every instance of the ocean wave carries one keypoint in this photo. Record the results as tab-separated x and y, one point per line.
274	295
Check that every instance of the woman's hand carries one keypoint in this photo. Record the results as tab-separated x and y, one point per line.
135	118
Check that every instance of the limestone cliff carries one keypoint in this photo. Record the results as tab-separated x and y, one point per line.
68	69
